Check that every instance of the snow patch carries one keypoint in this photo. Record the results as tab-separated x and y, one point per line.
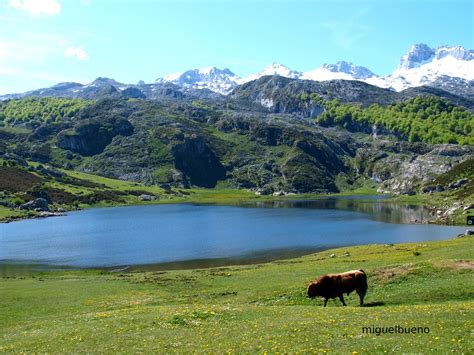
268	103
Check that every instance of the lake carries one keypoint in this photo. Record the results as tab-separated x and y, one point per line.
212	235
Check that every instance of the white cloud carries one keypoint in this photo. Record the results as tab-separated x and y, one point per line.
28	60
37	7
77	52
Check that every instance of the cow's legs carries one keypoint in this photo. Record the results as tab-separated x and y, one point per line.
361	294
325	302
341	297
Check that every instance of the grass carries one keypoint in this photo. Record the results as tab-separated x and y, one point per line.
252	308
6	212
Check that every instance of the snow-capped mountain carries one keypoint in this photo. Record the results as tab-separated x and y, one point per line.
223	81
212	78
275	69
448	68
344	71
340	70
423	65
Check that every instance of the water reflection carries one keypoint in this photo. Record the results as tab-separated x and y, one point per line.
374	206
262	231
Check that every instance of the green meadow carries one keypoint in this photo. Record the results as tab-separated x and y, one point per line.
248	308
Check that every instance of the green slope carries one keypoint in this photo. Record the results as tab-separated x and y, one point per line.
254	308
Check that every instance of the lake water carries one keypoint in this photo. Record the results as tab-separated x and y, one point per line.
151	234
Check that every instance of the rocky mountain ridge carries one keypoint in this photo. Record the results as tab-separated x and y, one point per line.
448	68
422	65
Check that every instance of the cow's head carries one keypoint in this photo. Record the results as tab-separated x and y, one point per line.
313	289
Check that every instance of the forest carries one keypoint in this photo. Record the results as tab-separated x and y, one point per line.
427	119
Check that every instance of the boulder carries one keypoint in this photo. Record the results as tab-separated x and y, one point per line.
468	207
146	197
428	189
458	184
49	171
432	188
166	187
39	204
133	93
265	190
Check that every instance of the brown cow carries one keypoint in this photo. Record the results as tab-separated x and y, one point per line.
335	285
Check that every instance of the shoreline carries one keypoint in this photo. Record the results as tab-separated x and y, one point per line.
243	197
187	264
277	256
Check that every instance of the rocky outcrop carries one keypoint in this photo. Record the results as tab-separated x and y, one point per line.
412	166
458	184
198	143
38	204
283	95
92	136
304	173
133	93
146	197
197	161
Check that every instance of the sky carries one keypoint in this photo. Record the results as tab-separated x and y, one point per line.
43	42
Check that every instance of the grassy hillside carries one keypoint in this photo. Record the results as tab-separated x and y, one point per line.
254	308
204	144
189	147
429	119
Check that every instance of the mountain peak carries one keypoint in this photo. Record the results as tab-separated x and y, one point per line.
214	71
212	78
276	65
357	72
274	69
417	55
423	65
101	81
457	52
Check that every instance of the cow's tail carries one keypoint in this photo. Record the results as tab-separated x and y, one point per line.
365	280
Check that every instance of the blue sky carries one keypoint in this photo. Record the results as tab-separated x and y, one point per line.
43	42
